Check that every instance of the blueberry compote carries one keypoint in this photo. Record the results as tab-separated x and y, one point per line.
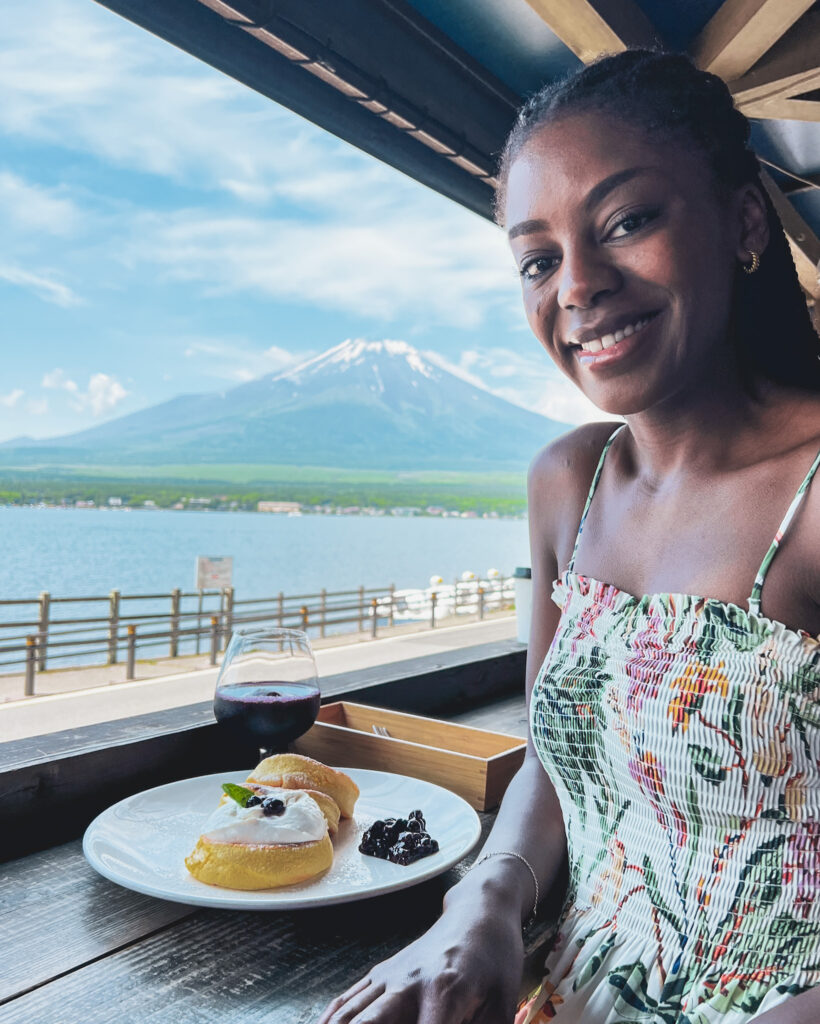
401	840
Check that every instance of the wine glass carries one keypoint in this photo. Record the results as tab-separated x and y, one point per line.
267	691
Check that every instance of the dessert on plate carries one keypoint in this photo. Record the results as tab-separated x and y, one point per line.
275	830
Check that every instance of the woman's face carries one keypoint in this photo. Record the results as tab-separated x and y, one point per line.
626	258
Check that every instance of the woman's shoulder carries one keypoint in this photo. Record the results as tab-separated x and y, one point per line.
570	460
559	479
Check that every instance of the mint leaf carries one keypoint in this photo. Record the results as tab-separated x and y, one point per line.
238	793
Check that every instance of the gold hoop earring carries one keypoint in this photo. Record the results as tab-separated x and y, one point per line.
750	268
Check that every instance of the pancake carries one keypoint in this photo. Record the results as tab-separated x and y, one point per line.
247	848
294	771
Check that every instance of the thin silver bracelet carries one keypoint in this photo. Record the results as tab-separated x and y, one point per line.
527	865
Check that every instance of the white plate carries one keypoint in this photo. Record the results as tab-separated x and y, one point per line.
141	842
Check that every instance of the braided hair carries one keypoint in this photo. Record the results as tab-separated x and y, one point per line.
666	95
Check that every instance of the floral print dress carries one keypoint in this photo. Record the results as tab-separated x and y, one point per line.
683	737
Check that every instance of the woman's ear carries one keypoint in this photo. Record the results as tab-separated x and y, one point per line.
754	222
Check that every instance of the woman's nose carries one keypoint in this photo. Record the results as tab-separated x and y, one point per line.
585	276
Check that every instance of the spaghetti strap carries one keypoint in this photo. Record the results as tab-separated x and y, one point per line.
592	487
754	599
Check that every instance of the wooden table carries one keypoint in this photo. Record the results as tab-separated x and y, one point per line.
77	949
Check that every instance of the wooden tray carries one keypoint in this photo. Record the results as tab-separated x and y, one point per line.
474	763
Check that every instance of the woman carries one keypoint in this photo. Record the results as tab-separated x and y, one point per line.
675	739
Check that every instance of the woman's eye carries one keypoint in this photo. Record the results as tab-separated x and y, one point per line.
631	223
536	267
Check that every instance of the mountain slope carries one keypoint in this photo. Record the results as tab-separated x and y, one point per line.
361	404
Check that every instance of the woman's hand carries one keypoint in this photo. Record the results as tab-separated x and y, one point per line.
465	970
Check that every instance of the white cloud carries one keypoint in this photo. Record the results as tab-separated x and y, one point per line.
104	392
529	380
35	208
12	398
443	266
236	360
37	406
44	287
57	379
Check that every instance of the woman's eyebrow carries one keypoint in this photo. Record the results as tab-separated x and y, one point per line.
596	194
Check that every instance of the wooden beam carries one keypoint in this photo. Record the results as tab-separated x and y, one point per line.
785	110
741	31
591	28
789	69
803	242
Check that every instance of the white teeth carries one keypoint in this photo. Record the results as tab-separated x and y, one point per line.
608	340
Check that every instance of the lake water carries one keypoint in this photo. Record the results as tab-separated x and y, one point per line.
90	552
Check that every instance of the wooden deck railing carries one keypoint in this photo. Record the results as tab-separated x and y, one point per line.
121	625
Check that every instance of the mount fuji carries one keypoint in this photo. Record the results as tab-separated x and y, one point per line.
361	404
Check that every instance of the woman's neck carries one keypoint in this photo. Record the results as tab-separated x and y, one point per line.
712	425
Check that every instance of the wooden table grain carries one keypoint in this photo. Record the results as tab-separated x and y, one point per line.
78	949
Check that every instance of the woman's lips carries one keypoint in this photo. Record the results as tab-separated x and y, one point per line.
611	348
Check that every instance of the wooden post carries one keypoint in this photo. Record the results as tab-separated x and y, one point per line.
304	613
228	618
392	604
214	637
480	603
173	649
113	625
45	605
131	657
322	611
433	600
361	609
198	619
31	651
374	604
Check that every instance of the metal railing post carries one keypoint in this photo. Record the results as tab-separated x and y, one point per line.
113	625
31	651
433	601
455	596
374	604
280	615
392	604
173	647
42	630
214	637
322	611
361	609
480	603
131	657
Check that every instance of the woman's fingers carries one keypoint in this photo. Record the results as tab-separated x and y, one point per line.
344	1007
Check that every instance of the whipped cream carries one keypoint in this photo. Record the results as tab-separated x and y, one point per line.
301	822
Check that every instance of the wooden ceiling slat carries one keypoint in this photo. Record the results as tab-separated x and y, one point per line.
790	68
741	31
594	27
803	242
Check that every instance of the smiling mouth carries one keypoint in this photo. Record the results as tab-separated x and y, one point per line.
608	340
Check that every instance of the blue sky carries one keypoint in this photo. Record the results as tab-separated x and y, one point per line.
167	230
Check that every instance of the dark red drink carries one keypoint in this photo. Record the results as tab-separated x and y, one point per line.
269	715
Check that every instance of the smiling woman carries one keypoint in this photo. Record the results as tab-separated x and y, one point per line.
674	755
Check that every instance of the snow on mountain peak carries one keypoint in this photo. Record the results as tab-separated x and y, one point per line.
355	351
